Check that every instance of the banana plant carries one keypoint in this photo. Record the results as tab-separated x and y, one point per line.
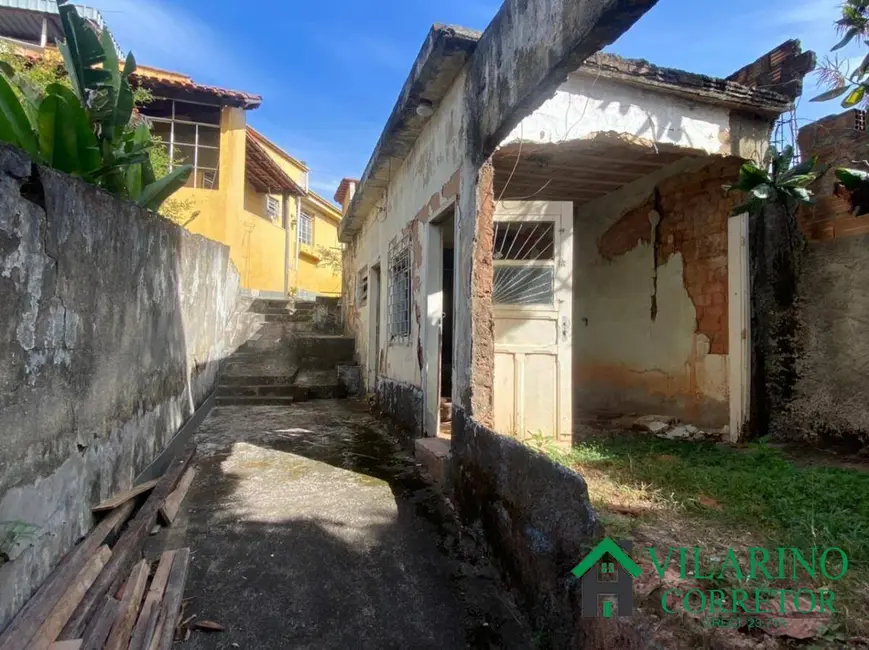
86	130
778	180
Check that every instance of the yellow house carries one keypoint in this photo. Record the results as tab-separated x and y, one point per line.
245	191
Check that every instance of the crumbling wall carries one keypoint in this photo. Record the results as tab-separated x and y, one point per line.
114	324
651	297
817	360
422	185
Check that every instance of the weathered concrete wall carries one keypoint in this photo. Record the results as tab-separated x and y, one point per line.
829	399
114	323
585	107
535	516
422	186
650	310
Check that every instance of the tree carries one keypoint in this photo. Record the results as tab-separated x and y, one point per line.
82	124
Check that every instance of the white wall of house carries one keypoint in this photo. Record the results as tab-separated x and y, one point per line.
585	107
425	171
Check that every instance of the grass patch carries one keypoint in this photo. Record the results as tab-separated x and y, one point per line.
687	494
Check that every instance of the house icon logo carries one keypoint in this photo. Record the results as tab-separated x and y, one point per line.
608	571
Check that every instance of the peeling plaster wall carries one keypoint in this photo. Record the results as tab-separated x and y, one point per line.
650	305
114	323
586	107
421	186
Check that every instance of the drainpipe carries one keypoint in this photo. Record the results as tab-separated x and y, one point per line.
43	37
285	222
298	218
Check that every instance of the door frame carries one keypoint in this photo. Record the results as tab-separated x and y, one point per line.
374	279
433	331
739	321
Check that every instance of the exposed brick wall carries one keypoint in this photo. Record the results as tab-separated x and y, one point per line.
694	213
836	140
781	69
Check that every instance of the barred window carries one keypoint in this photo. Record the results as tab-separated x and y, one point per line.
362	285
399	290
306	229
273	207
191	135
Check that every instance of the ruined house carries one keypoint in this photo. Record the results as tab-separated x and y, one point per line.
588	264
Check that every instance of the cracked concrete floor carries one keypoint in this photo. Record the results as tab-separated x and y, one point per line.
310	528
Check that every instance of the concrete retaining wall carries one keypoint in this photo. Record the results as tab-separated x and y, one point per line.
113	327
534	514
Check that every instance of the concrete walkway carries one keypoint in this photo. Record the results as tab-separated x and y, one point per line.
310	528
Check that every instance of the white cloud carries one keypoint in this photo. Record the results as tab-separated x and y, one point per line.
327	187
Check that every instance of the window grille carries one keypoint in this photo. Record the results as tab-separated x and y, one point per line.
399	291
362	286
524	263
191	135
273	207
306	230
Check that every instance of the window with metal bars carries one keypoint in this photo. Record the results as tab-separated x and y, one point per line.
399	291
306	229
273	208
524	260
362	285
191	134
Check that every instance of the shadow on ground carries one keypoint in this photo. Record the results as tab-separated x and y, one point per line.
311	528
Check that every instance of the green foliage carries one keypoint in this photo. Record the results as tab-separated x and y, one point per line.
777	181
83	124
854	23
330	258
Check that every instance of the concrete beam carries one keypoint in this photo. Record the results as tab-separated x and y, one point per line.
528	50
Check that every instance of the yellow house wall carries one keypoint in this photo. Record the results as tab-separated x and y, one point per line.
313	273
296	172
261	253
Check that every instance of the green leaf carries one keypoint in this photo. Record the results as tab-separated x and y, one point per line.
82	52
830	94
155	193
15	127
781	163
65	135
801	194
800	180
852	178
805	167
854	97
850	34
763	191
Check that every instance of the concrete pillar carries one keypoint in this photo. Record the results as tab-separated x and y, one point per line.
233	139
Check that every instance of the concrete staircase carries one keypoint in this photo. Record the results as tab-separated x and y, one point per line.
297	353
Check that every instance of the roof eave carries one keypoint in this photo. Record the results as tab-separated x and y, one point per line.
441	59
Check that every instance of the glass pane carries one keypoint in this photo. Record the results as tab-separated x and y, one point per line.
157	108
209	136
185	133
208	158
183	154
197	113
161	130
206	179
523	285
525	240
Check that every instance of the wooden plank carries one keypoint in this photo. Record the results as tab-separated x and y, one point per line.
145	626
133	591
170	509
122	497
171	608
54	622
101	625
74	644
129	546
24	625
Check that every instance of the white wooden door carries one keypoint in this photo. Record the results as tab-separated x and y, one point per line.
532	303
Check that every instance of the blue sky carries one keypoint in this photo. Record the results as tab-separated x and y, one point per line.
330	71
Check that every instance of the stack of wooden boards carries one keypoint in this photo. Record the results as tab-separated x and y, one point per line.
103	594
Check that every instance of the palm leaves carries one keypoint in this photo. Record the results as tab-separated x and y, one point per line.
85	131
778	181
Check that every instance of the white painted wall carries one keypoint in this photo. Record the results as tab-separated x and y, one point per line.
430	165
584	107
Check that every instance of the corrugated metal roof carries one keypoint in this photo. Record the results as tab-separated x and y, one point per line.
50	7
24	21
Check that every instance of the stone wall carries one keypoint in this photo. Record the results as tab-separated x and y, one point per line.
534	514
113	327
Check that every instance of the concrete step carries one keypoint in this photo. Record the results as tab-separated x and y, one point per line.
287	317
254	401
434	456
256	380
323	351
269	306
